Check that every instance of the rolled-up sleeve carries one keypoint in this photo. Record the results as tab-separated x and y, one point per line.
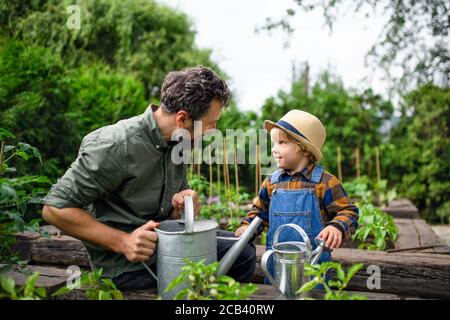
98	170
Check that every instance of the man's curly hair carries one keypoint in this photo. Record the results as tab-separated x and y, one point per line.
192	90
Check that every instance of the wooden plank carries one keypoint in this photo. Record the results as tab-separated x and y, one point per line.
415	233
63	250
268	292
424	275
402	208
23	244
427	236
404	273
49	278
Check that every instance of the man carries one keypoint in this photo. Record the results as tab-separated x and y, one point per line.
123	181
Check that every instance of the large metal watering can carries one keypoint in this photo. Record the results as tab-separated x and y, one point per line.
194	240
289	260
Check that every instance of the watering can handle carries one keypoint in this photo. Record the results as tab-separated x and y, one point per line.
299	230
321	247
188	214
264	262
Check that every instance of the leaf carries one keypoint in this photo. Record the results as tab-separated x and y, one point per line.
62	291
335	284
41	292
8	284
22	154
8	148
175	282
24	146
182	294
309	285
353	270
117	294
30	283
340	273
104	295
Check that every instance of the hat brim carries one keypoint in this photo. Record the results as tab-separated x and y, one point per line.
269	125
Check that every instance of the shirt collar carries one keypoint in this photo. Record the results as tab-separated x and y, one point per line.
306	171
152	129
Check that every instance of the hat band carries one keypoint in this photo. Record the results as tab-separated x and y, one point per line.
289	127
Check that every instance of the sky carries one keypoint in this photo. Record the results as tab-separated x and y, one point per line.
259	65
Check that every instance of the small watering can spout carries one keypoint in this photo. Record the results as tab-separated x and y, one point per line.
233	253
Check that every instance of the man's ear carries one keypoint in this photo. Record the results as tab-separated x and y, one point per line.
183	120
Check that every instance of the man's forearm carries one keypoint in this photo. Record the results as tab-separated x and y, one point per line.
80	224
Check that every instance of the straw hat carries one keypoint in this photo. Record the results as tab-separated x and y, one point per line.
304	127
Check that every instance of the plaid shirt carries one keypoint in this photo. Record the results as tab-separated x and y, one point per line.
335	206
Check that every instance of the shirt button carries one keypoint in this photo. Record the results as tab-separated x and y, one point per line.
161	210
157	147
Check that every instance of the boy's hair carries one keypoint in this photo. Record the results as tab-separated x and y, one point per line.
284	135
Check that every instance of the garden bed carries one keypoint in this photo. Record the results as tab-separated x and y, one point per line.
417	265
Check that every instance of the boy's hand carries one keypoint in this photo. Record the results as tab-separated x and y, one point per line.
240	230
332	236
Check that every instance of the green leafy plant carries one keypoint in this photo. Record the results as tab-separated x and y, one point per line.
17	195
95	287
29	291
203	284
213	211
233	224
264	237
359	189
385	194
334	289
375	229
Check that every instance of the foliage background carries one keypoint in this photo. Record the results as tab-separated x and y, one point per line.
57	84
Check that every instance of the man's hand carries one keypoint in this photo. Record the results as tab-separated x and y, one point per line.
332	236
141	243
178	203
240	230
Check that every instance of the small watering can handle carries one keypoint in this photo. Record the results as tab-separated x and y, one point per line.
299	230
321	247
264	265
188	214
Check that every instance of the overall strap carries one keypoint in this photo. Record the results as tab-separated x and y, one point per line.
317	174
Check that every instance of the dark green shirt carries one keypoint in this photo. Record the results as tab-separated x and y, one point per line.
123	175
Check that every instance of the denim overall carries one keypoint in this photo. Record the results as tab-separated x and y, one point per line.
299	206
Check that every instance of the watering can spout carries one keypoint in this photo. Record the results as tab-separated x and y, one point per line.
233	253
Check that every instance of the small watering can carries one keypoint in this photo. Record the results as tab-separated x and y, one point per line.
289	260
193	240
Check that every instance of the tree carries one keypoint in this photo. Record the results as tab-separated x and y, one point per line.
53	108
423	134
142	38
415	37
352	119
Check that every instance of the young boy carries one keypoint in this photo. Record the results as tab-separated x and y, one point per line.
300	191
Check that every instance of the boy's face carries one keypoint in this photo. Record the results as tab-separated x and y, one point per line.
287	153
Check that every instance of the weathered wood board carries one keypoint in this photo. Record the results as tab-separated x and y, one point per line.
402	208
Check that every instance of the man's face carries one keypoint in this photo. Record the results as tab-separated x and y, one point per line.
209	120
